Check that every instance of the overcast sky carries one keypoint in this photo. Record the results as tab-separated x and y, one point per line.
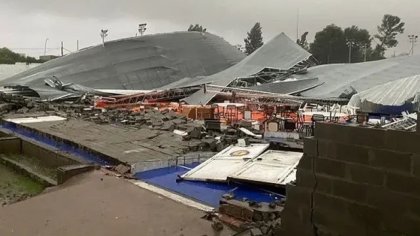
25	24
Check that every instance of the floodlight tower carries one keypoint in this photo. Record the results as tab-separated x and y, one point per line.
413	40
142	28
350	44
104	33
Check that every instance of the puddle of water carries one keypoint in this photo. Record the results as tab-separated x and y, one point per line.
15	187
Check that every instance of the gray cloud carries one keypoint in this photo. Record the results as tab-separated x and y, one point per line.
34	20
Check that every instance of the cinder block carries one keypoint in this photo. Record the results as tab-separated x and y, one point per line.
365	175
370	137
403	184
310	146
352	153
388	201
324	184
391	160
327	149
415	164
327	202
350	191
305	178
330	131
299	195
403	141
306	162
364	215
330	167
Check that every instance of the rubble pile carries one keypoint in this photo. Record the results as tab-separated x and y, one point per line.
248	218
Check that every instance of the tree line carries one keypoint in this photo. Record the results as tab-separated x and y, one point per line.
7	56
336	45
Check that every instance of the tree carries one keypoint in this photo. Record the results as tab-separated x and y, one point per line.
197	27
361	40
329	45
9	57
254	39
303	42
391	26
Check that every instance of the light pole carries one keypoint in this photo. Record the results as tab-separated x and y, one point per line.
413	40
45	46
142	28
104	33
350	44
364	47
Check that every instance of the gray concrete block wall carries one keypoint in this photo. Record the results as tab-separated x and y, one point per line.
47	157
9	145
359	181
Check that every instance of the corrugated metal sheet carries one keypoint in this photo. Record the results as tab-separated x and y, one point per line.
395	96
279	53
272	167
226	162
337	78
145	62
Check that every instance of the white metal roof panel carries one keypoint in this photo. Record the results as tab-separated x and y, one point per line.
272	167
224	163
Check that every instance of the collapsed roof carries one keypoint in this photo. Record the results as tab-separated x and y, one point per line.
145	62
343	80
391	98
279	54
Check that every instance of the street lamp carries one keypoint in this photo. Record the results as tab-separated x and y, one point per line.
104	33
413	40
350	44
142	28
45	46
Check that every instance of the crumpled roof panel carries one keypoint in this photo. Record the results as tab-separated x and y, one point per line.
337	78
145	62
279	53
398	94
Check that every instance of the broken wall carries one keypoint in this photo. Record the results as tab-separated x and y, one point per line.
356	181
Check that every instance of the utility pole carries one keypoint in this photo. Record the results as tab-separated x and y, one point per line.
142	28
45	46
350	44
413	40
104	33
62	48
364	47
77	45
297	25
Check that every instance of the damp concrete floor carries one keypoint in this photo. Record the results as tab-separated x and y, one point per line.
126	144
98	204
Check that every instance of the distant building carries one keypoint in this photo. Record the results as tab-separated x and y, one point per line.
47	57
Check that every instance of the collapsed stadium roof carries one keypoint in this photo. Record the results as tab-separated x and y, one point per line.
145	62
339	79
280	53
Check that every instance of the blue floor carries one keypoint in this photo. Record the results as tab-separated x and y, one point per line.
204	192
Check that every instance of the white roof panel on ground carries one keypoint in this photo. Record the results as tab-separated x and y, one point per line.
272	167
226	162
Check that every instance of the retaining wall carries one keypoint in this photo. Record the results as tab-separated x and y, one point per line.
356	181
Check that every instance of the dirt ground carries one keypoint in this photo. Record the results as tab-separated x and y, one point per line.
97	204
15	187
